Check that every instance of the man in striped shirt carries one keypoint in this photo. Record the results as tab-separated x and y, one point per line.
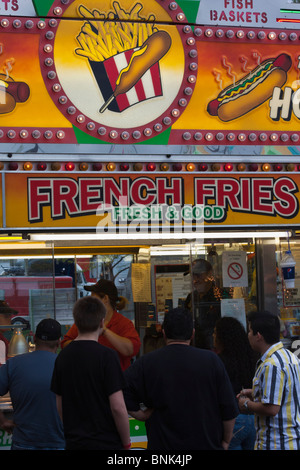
275	395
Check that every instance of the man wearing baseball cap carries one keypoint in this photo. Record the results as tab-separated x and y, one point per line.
27	377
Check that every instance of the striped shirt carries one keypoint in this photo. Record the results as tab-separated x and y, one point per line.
277	382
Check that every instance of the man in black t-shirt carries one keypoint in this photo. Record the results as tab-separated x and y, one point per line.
186	388
88	383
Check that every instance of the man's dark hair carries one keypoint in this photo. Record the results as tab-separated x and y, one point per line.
178	324
265	323
88	312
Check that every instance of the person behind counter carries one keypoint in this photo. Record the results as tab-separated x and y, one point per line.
232	346
88	383
118	332
187	389
205	303
27	377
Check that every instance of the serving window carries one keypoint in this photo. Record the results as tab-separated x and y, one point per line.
180	279
45	281
288	293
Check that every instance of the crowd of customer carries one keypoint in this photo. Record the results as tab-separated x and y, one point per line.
243	394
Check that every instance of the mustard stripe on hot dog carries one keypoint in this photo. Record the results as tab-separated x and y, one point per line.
243	84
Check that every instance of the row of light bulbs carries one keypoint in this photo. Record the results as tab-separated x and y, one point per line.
208	32
35	134
58	11
250	137
203	31
151	167
29	24
173	7
219	33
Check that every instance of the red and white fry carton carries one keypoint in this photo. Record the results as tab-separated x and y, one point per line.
107	72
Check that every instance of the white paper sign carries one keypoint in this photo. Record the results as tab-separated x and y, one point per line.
234	269
141	282
247	13
234	308
17	8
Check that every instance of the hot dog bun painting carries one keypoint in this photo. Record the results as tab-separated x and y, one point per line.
123	55
252	90
11	91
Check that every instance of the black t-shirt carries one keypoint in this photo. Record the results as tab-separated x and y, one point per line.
190	392
85	374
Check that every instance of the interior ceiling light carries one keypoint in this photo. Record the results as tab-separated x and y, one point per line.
147	236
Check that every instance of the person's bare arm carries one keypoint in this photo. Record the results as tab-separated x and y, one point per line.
6	424
227	433
141	415
123	345
59	405
257	407
120	415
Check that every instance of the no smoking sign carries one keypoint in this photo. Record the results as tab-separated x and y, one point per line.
234	269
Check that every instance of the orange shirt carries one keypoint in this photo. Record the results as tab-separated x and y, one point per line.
119	325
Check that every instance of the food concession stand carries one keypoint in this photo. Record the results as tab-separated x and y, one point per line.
136	137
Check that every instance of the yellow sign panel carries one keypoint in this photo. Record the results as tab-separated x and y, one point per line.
126	72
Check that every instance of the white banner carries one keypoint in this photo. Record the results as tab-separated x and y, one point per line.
248	13
17	8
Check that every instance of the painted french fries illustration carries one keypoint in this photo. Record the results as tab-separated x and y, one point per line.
102	38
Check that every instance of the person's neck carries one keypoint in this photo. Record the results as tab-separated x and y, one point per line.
108	315
265	347
45	348
91	336
177	341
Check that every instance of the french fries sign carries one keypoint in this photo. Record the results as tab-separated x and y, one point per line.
136	71
117	200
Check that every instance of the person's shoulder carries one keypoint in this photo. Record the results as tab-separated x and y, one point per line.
106	355
205	355
77	347
105	351
88	349
282	357
20	358
22	362
122	325
151	357
119	317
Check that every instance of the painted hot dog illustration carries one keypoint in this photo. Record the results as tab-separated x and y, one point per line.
252	90
11	93
153	49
